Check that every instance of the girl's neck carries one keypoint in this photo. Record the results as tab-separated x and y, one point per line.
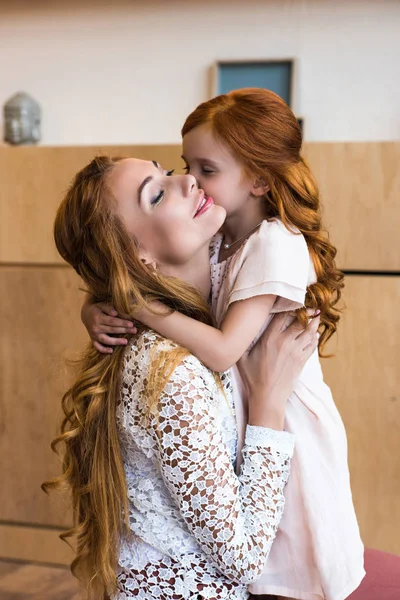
241	222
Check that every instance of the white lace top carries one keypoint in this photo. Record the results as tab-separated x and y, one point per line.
196	529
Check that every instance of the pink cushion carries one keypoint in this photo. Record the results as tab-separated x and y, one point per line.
382	581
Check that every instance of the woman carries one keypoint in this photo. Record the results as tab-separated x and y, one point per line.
149	432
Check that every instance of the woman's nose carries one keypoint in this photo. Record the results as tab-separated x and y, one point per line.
190	184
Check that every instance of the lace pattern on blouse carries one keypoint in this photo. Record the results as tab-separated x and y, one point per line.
197	530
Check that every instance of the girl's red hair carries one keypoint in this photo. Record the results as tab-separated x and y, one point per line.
264	135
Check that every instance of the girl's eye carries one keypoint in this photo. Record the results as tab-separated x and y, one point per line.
169	173
207	171
186	169
157	198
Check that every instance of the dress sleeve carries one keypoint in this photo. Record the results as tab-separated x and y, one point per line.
234	519
274	261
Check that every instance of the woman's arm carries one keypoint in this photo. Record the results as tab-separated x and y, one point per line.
272	366
218	349
234	519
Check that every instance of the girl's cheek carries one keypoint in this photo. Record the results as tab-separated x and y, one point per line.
214	190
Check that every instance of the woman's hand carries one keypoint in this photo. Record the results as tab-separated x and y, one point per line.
102	322
269	371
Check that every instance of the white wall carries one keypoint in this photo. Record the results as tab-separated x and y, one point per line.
130	71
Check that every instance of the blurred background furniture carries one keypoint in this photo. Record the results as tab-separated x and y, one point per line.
382	581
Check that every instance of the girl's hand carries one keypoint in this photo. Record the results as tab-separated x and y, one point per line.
102	322
269	371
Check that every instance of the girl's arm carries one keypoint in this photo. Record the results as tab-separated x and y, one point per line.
218	349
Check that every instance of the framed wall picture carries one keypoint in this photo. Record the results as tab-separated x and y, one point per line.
275	75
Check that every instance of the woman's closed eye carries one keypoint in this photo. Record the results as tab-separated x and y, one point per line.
157	199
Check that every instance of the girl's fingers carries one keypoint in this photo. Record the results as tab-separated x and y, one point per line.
115	330
107	340
116	322
102	349
107	308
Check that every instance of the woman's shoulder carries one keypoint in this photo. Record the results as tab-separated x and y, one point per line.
148	348
159	372
145	347
146	341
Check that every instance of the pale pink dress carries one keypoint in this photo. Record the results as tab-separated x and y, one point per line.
318	552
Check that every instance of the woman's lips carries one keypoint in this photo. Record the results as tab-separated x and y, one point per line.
204	205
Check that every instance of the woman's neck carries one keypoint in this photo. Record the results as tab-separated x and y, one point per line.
196	271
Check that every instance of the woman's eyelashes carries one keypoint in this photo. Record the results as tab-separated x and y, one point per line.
157	199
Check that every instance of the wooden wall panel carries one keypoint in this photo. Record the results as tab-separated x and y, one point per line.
360	187
43	305
19	581
33	181
34	544
364	378
40	326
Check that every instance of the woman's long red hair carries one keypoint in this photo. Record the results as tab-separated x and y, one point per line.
264	135
90	237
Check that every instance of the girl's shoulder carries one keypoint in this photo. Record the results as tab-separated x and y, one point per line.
274	253
274	237
275	227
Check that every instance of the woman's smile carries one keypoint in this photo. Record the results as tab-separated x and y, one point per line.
205	203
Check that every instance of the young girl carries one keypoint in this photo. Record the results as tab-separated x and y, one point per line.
271	256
